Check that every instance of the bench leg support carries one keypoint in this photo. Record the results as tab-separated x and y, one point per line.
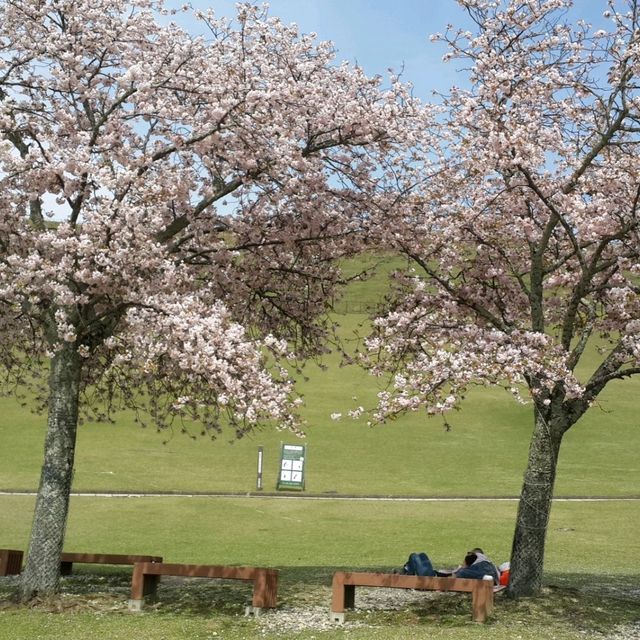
142	586
265	590
343	596
149	586
482	600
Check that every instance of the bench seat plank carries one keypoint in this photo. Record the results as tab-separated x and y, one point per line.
68	558
344	584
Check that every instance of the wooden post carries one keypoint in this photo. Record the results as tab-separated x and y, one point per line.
265	589
482	599
341	597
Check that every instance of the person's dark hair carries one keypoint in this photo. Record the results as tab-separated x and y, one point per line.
470	558
477	550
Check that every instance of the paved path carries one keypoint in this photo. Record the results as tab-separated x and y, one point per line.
315	496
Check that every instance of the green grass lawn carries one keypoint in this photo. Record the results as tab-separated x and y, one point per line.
588	567
413	455
332	532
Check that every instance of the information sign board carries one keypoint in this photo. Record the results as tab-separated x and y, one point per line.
291	473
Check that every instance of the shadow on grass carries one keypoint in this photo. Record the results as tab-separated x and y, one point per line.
582	602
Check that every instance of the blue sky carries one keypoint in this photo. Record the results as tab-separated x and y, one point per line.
382	34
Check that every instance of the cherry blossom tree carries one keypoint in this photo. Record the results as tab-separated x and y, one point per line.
523	244
171	208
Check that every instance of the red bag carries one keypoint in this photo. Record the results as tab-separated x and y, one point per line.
505	570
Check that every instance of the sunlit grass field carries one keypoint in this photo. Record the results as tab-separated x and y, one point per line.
287	532
589	579
483	454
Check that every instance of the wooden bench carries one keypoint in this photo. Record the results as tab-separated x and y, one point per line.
344	587
10	562
146	576
67	559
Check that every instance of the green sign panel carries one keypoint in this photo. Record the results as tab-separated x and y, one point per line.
291	474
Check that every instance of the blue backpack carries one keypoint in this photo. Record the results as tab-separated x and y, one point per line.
419	564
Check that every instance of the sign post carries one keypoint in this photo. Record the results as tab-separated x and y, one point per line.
260	459
291	473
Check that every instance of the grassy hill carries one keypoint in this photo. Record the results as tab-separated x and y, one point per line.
414	455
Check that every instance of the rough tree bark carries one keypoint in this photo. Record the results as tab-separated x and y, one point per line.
534	509
41	574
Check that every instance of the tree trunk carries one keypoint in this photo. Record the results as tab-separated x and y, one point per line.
527	553
41	575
